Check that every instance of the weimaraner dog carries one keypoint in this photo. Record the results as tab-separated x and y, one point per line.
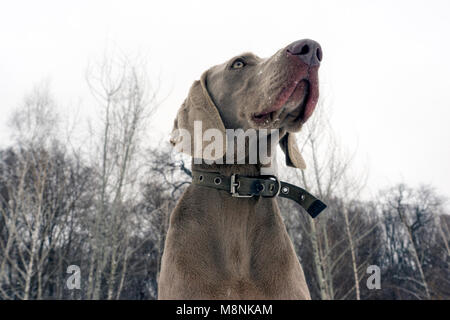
220	245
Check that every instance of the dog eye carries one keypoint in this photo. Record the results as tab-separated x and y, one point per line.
238	64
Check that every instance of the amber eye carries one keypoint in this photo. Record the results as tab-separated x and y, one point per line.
238	64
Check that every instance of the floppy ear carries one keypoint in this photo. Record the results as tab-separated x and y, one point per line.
290	148
198	106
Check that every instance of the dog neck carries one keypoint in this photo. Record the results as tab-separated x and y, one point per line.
251	170
266	166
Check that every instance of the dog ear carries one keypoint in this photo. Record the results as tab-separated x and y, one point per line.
198	106
290	148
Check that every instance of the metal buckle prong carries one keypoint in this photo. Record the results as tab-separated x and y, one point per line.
234	186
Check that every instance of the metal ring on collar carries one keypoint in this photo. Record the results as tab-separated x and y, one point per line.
278	184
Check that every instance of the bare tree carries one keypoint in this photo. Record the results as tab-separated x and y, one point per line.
411	230
35	122
122	91
39	194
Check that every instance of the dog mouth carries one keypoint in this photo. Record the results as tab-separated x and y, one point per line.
294	104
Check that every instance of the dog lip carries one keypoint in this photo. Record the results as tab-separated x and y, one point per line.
262	117
274	113
276	110
284	96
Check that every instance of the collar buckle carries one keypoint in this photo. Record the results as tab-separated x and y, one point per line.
234	186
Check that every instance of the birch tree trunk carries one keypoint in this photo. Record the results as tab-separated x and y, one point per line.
352	251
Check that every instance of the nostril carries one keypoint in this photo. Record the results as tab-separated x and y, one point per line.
305	50
319	54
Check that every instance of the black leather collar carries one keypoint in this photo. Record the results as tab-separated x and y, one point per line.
265	186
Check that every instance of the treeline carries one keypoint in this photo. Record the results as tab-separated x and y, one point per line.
104	206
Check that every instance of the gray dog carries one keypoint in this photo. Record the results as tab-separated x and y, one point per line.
222	246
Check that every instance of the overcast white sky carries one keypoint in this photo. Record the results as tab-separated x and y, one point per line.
385	69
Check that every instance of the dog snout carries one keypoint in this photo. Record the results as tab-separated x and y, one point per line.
308	51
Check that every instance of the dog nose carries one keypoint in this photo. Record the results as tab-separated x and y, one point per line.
309	51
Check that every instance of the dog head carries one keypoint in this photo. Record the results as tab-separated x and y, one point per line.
248	92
